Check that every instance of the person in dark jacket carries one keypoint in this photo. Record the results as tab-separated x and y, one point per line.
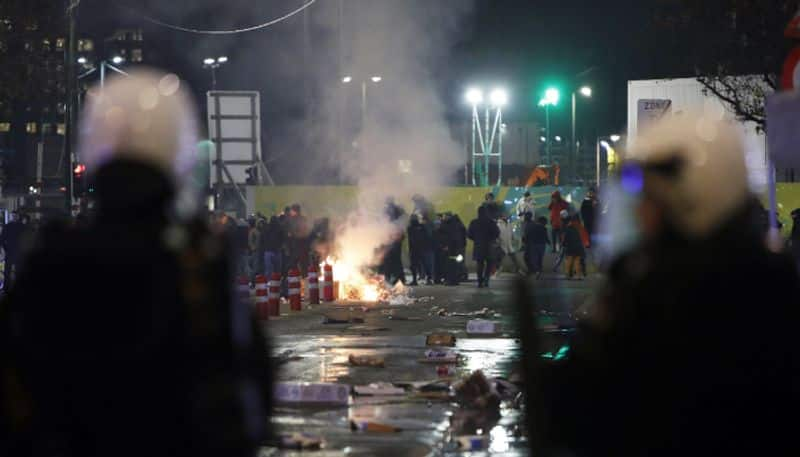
273	239
122	338
536	241
669	361
393	254
439	249
589	212
11	240
420	251
483	232
573	248
461	237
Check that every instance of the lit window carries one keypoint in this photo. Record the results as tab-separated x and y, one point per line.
46	44
5	127
61	129
47	128
62	108
136	55
30	127
85	45
60	42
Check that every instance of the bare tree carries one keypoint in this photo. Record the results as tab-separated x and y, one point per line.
734	47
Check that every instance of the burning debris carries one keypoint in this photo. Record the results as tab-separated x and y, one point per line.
352	283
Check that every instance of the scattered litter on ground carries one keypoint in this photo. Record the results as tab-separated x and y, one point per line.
367	328
437	356
333	320
299	442
379	389
312	393
482	327
373	427
401	300
476	391
366	361
445	371
472	442
286	357
440	339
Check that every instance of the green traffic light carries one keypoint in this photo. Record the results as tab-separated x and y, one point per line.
551	96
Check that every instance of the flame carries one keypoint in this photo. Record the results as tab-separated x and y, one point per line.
356	285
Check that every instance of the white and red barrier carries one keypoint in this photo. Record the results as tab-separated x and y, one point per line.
294	290
327	283
313	285
274	295
261	297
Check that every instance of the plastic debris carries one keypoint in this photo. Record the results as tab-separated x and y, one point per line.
472	442
401	300
476	392
312	393
366	361
378	389
440	339
482	327
373	427
437	356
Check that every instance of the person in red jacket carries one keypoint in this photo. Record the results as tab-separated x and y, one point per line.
557	204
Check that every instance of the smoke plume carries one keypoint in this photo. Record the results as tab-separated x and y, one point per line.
404	145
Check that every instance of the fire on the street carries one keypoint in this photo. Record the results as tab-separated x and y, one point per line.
357	285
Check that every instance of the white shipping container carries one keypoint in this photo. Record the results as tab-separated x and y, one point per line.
651	99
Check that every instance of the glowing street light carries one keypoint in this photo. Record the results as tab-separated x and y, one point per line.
557	138
551	96
614	138
82	60
117	60
222	59
499	97
475	96
212	64
347	79
376	79
586	91
208	61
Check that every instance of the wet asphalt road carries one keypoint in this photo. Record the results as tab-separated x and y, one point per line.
318	352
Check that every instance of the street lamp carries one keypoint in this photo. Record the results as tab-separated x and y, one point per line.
212	64
375	79
347	79
117	60
474	96
82	60
497	99
551	96
585	91
614	138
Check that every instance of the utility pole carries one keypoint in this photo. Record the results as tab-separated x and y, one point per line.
72	81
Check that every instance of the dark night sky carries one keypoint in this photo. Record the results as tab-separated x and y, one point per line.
524	44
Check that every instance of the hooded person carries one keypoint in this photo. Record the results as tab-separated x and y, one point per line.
669	361
122	337
483	232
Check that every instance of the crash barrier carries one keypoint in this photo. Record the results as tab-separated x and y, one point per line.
294	290
327	283
274	295
261	297
313	285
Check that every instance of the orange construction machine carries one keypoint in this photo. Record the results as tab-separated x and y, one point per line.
544	175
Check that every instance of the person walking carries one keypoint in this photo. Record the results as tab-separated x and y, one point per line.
419	250
573	248
184	370
507	242
11	240
535	241
589	213
556	207
483	232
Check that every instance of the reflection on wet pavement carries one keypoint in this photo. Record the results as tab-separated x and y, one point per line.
321	352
